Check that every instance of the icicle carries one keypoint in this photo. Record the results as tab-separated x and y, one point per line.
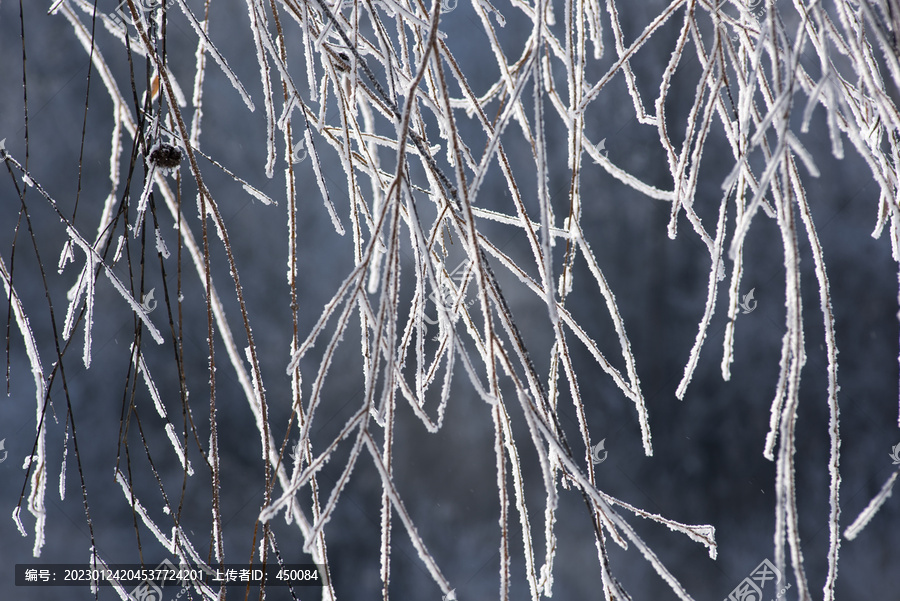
17	518
863	519
161	245
179	450
66	256
258	195
62	474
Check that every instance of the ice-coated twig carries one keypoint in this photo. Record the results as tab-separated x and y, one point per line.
866	515
209	47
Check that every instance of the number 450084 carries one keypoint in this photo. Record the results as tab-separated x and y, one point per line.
297	575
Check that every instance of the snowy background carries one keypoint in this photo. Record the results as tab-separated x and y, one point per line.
707	466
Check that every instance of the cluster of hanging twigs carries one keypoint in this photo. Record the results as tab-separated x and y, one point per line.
386	66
